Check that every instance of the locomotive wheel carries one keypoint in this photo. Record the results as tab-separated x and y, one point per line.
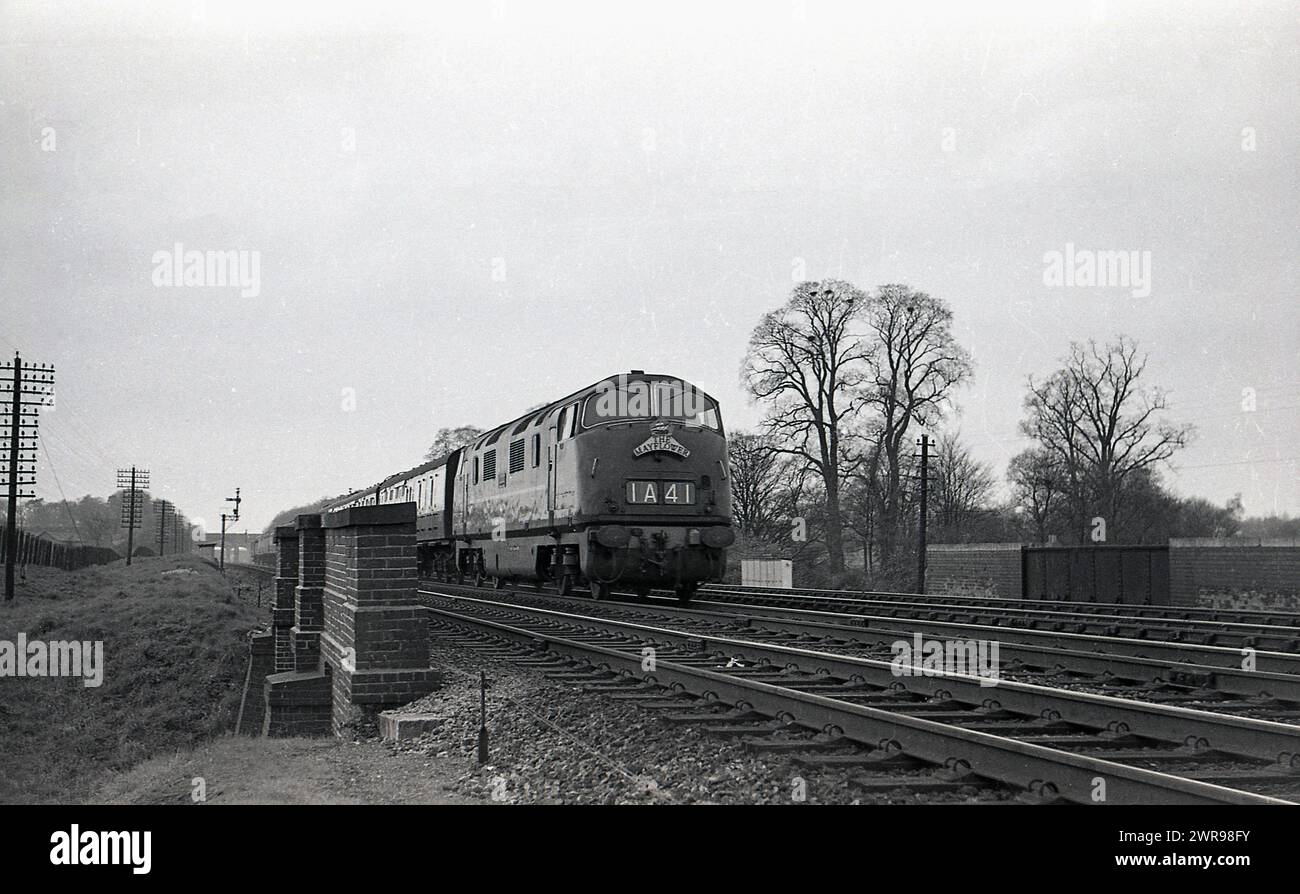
599	591
685	593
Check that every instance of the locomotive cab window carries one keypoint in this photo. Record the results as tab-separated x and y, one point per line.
662	399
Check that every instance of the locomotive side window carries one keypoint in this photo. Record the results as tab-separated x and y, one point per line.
562	425
537	450
516	456
476	470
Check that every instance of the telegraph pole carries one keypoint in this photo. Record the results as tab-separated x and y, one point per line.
133	481
163	509
925	481
29	388
224	519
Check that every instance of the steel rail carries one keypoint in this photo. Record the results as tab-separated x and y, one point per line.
1037	768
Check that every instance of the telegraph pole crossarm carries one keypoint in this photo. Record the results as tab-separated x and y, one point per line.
133	481
28	388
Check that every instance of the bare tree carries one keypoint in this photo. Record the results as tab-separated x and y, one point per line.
808	360
448	439
1036	485
961	486
1100	427
760	492
915	366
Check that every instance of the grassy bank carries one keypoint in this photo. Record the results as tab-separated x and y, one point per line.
174	655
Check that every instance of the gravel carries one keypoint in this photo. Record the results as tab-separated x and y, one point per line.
553	742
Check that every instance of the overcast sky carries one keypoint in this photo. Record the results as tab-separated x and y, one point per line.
460	215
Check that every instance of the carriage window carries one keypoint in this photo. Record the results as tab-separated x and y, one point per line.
537	450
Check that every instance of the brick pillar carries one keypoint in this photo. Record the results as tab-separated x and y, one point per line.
309	609
286	581
297	697
375	641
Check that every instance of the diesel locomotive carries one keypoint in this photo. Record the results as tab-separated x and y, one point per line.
622	483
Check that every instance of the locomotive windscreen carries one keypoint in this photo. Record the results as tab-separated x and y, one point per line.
647	399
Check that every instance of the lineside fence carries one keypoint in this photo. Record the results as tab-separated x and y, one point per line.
33	550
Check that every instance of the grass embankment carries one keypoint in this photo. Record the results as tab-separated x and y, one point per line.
174	652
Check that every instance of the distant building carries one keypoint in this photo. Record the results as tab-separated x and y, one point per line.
239	546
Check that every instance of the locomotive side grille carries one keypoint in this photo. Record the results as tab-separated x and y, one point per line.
516	456
489	465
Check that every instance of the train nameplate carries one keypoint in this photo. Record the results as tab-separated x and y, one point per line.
661	444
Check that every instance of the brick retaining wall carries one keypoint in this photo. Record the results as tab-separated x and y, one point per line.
1229	574
978	569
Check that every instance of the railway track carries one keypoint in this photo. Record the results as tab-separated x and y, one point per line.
1260	674
1231	629
1052	743
1087	665
1215	677
1278	617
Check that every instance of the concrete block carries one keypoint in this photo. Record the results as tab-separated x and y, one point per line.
397	727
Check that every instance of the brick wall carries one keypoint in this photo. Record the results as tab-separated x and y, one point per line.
297	704
261	658
1228	574
309	596
980	569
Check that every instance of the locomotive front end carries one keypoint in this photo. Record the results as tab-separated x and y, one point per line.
653	486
